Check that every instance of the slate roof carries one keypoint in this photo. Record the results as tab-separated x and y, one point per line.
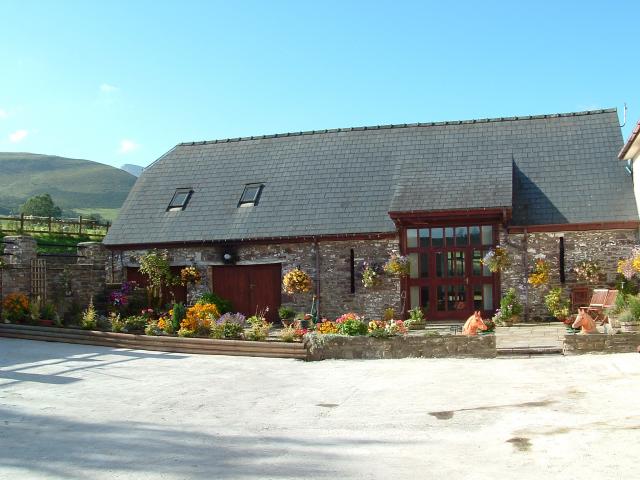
550	169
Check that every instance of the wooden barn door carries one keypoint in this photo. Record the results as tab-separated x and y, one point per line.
250	287
178	293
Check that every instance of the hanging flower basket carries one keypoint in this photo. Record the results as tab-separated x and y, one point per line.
371	274
540	274
397	265
497	259
587	271
296	281
190	276
630	266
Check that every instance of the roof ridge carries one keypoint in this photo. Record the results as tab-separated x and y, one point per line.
402	125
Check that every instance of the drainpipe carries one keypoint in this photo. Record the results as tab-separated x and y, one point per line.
317	248
525	262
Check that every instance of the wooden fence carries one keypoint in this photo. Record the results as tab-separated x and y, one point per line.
56	226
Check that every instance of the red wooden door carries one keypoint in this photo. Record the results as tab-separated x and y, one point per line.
250	288
176	293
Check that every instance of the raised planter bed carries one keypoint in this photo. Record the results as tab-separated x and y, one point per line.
323	347
165	344
578	344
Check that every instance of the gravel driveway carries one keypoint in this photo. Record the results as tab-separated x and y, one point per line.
76	412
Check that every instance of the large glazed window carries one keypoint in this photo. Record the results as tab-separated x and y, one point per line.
448	279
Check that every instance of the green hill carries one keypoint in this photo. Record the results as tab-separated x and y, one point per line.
79	185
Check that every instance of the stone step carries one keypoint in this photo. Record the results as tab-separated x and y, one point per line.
166	344
529	351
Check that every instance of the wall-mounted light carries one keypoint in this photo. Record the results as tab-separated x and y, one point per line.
227	257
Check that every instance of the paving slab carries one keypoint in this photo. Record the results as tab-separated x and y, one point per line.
81	412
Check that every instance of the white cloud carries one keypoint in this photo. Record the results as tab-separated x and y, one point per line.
107	88
18	136
3	114
127	146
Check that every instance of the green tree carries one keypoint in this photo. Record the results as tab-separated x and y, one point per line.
41	206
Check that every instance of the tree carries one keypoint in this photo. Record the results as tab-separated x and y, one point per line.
41	206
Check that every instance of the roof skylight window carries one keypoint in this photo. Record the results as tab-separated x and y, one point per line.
251	194
180	199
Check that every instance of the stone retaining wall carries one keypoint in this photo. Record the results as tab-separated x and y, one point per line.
578	344
323	347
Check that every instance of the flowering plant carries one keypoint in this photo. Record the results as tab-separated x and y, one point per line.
370	277
120	298
496	259
327	327
588	271
540	274
15	307
382	329
229	325
300	332
296	281
351	324
557	304
630	265
510	307
199	319
190	275
397	265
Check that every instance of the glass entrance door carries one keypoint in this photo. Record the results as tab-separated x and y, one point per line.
447	279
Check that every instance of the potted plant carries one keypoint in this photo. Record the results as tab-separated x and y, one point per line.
286	315
47	315
416	319
557	304
629	316
510	309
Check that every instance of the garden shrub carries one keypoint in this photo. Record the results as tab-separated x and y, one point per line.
89	319
117	324
259	330
223	305
288	334
199	318
135	323
178	312
15	307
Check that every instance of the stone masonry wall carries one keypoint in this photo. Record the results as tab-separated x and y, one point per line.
577	344
68	279
334	274
603	246
362	347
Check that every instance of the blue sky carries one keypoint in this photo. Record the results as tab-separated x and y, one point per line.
122	82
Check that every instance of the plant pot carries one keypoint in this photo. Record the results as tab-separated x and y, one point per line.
46	323
629	327
286	322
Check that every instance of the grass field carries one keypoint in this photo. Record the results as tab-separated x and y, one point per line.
108	214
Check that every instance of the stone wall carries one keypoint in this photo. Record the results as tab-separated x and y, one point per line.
603	246
69	279
330	269
577	344
323	347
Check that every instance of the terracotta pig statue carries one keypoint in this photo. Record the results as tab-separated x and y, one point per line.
473	324
585	322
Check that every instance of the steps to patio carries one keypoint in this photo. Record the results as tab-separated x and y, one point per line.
527	340
165	344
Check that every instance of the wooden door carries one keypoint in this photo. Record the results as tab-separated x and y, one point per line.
250	288
177	293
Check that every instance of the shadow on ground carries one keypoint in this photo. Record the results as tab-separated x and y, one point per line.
143	448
